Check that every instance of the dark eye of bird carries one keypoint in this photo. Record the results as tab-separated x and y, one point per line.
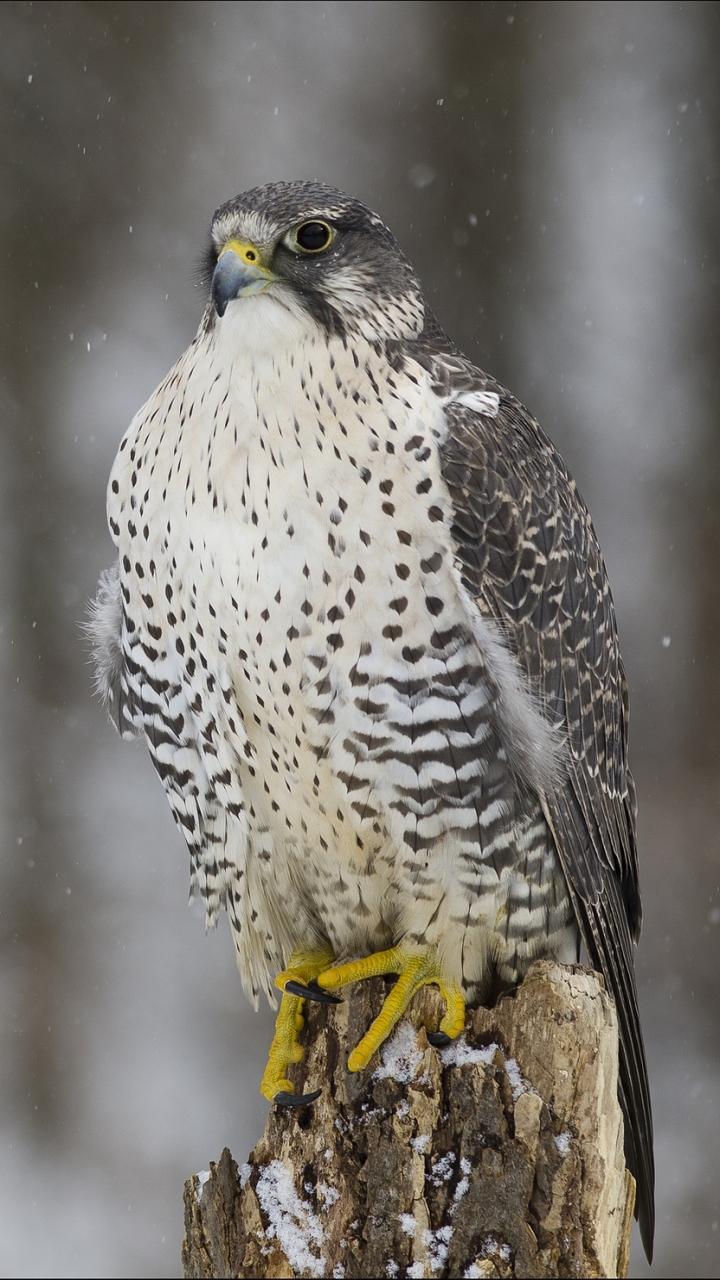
313	236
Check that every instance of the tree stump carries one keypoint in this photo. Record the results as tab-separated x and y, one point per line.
501	1155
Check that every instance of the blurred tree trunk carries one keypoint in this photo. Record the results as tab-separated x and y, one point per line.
61	210
501	1155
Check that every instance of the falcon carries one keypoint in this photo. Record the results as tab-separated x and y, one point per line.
361	618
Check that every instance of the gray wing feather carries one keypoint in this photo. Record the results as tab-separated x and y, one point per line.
104	628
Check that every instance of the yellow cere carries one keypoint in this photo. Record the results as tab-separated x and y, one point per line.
246	252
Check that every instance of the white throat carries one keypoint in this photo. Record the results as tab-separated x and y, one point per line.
264	325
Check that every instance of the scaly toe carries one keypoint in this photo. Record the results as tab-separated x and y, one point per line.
414	970
297	983
303	969
454	1021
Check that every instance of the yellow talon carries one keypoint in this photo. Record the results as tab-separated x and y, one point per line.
304	966
415	970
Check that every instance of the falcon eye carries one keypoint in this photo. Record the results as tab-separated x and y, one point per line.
312	237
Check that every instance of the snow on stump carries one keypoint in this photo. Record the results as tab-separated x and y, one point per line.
501	1155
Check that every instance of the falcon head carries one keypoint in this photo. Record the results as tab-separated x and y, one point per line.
314	250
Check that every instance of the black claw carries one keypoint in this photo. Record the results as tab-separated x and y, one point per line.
284	1099
438	1039
311	992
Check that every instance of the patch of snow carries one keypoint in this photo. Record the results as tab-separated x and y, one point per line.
420	1143
391	1268
402	1109
562	1142
462	1186
408	1223
368	1112
202	1178
518	1083
291	1221
338	1271
330	1195
327	1154
416	1271
459	1053
244	1171
491	1246
473	1272
400	1056
442	1170
437	1244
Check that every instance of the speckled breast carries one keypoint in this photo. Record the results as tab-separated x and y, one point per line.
288	572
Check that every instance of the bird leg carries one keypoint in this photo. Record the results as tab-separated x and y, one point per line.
304	967
415	970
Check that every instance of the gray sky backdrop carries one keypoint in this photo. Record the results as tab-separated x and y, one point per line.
552	171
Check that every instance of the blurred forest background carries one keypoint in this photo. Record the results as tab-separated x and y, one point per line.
552	171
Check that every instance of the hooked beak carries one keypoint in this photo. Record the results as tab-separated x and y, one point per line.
235	277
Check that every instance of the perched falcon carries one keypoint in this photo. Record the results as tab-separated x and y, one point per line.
361	618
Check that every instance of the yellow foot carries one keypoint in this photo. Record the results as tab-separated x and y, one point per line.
303	968
415	970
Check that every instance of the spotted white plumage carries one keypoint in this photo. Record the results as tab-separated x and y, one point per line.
361	619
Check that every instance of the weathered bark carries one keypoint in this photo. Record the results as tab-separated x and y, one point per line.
499	1156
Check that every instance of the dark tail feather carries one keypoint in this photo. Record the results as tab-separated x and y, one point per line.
602	915
607	940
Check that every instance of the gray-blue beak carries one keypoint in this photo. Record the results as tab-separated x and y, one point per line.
233	278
